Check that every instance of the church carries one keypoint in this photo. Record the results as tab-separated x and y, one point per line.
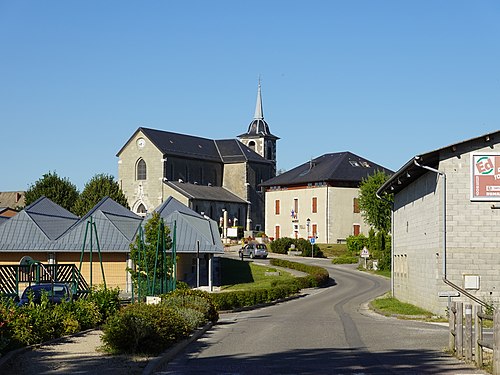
217	178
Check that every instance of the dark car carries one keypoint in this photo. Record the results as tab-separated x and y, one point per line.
253	250
56	293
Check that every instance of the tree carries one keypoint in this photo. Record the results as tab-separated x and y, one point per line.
98	187
57	189
145	258
375	211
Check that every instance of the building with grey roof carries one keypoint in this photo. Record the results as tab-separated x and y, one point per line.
50	234
319	198
209	176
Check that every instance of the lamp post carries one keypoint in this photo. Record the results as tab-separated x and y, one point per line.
310	238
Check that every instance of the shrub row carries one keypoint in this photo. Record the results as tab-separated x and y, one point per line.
241	298
317	276
283	244
36	323
150	329
345	259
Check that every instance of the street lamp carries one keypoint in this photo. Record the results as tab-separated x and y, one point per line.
310	238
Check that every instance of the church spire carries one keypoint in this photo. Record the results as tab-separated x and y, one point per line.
259	113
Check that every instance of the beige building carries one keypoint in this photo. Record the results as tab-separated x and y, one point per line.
319	199
218	178
445	222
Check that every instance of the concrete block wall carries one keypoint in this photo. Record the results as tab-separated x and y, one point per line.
473	244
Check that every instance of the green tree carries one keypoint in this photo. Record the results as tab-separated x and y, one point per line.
57	189
375	211
147	256
98	187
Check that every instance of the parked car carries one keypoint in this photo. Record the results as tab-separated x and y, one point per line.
253	250
56	293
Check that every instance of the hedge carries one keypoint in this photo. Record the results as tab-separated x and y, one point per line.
318	276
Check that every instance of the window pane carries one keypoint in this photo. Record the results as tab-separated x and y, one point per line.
141	170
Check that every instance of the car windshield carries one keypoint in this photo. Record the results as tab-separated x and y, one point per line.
59	290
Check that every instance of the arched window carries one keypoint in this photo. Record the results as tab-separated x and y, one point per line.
141	170
251	144
141	210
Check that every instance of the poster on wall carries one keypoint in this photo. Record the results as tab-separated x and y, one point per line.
485	172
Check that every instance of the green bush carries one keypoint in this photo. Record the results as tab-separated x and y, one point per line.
193	299
142	328
243	298
345	259
106	300
356	243
318	276
283	244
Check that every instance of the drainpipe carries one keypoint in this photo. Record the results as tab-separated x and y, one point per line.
392	239
445	279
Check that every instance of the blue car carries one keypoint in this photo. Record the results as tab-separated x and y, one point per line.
56	293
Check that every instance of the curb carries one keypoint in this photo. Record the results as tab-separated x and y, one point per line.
170	353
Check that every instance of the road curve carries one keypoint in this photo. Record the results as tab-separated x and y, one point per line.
329	331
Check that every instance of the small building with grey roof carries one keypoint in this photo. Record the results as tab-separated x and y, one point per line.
50	234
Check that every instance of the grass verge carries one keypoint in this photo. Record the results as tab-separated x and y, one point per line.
240	275
390	306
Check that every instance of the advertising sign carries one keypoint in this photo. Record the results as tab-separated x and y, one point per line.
485	173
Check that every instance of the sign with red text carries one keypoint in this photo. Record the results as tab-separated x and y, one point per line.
485	171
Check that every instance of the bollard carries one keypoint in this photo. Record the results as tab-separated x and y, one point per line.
496	342
452	327
459	329
468	333
478	335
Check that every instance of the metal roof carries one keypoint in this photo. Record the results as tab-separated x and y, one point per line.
340	169
191	228
203	192
410	171
116	228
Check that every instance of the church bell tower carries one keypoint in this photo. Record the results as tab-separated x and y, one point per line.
258	137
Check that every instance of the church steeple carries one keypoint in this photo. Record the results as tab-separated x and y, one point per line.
259	113
258	136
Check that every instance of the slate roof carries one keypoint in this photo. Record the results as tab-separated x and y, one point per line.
191	227
189	146
340	169
410	172
204	192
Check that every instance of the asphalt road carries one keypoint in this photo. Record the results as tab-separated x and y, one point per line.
328	331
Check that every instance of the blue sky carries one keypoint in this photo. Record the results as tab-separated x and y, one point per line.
383	79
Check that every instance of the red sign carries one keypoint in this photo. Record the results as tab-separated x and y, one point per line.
485	171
